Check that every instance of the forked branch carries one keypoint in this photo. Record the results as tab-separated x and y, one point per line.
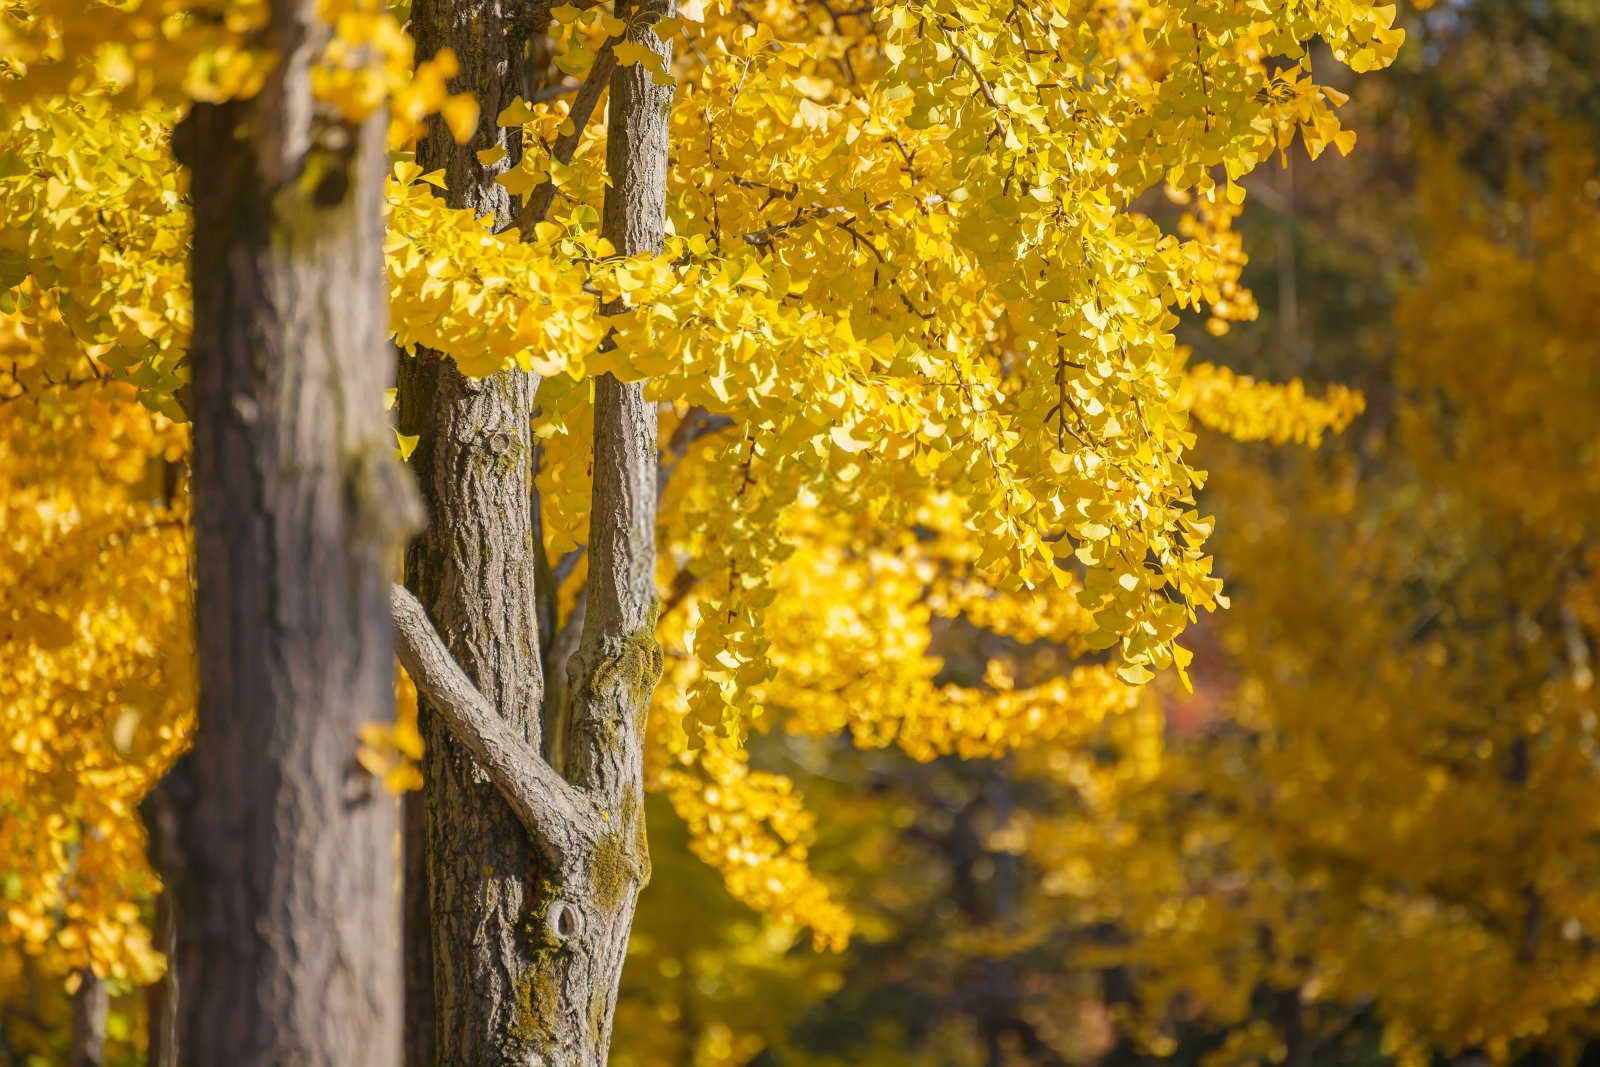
560	819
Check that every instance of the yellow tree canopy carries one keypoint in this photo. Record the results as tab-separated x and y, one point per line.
911	263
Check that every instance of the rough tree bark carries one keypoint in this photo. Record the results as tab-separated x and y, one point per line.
532	871
614	673
474	568
283	865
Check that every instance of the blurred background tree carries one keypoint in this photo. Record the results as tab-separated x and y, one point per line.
1368	835
98	683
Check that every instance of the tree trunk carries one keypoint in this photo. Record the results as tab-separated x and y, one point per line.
530	909
90	1006
161	999
287	919
618	661
474	570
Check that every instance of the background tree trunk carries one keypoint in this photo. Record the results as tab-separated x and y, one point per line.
287	918
161	998
90	1006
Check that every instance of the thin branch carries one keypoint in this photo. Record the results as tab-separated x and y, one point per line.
683	584
53	384
566	565
558	817
562	648
763	237
546	591
589	93
555	92
698	423
618	660
966	61
695	424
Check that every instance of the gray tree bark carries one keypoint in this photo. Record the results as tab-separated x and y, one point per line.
283	868
532	870
474	568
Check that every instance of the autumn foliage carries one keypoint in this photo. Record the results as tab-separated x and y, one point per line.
940	341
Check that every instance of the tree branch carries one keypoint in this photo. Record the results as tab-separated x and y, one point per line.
562	648
695	424
966	61
618	661
589	93
557	816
